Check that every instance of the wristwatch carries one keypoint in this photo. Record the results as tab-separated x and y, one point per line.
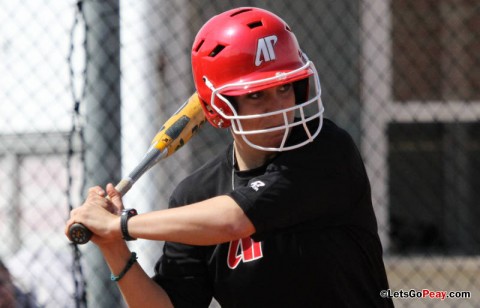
126	214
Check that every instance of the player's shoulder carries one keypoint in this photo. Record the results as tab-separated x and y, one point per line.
331	130
338	147
334	137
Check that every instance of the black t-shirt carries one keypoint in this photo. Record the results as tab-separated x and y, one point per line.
316	242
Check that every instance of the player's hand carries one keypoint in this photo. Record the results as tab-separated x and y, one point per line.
115	206
99	214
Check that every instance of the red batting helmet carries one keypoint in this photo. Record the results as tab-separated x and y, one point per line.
246	50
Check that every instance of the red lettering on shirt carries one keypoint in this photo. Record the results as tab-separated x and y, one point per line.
245	250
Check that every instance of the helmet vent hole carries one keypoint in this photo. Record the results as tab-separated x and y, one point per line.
288	28
240	12
216	50
255	24
196	49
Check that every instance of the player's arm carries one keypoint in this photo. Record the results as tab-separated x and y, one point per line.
137	288
213	221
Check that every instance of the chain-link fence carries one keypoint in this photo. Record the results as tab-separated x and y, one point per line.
85	85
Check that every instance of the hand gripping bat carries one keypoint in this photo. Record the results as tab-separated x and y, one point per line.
174	134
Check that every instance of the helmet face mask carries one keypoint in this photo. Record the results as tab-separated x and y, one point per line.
248	50
304	111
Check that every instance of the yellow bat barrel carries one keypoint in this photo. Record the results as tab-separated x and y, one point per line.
180	127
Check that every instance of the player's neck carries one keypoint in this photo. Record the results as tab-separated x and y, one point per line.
248	158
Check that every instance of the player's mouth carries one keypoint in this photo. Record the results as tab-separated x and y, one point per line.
280	126
278	134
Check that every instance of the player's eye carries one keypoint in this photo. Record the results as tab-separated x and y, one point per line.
284	88
255	95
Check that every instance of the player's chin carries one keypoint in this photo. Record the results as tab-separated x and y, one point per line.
270	140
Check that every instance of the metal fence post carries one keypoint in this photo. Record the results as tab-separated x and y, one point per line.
102	129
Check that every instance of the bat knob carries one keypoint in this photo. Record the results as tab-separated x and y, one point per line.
79	234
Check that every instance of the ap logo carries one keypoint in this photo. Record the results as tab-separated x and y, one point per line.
265	51
256	185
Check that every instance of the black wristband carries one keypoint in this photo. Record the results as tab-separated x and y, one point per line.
126	214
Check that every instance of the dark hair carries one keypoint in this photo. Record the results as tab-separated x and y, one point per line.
300	87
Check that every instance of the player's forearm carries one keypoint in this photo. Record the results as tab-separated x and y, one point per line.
209	222
136	287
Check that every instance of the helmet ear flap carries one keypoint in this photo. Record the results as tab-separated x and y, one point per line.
214	117
301	88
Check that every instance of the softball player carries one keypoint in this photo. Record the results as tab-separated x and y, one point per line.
282	217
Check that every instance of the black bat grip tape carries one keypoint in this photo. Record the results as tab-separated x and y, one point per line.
79	234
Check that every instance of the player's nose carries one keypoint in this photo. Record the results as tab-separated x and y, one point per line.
274	101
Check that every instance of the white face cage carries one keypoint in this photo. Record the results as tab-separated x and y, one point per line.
304	112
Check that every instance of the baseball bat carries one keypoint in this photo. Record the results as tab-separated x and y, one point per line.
176	131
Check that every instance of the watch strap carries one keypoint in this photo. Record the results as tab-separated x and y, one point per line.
126	214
